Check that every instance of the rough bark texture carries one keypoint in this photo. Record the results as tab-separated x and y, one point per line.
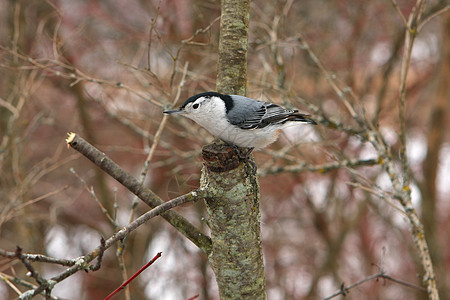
132	184
233	213
233	44
234	219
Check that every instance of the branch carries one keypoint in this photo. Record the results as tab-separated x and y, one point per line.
331	81
324	168
156	139
401	185
38	258
345	290
82	263
148	196
158	255
402	193
432	14
67	71
398	10
410	36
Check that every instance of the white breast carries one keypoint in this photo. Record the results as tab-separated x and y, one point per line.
213	119
232	134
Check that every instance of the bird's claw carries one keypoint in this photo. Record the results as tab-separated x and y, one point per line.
245	157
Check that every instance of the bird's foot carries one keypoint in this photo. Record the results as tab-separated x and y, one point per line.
245	157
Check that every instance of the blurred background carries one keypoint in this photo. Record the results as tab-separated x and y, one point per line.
107	69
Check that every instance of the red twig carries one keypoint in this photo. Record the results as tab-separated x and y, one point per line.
158	255
195	297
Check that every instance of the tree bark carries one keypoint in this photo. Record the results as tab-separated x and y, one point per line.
233	213
234	220
233	44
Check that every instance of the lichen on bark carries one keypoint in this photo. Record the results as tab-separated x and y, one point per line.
233	211
234	220
233	45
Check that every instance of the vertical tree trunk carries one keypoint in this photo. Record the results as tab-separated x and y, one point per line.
233	214
436	137
234	219
233	44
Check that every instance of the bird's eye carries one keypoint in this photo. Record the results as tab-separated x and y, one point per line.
195	106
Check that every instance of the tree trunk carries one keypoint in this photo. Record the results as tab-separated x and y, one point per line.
233	214
436	137
233	42
234	220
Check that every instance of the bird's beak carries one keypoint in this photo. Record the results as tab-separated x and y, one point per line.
174	111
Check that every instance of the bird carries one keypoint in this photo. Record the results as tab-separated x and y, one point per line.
239	121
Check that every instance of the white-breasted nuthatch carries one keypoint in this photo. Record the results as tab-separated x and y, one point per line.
238	120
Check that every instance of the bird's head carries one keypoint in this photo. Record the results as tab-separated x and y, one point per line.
208	105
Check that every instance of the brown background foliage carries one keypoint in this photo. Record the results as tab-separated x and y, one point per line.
106	70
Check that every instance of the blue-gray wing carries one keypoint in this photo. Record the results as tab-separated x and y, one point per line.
251	114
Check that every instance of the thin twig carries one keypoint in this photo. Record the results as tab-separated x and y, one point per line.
397	9
30	268
379	194
324	168
97	266
158	255
82	263
11	213
38	258
8	282
66	71
161	127
156	140
330	78
91	192
432	16
150	34
344	290
188	41
402	185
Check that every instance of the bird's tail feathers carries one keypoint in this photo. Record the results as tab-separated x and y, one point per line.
299	117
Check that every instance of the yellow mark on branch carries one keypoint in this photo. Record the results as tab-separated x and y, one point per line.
380	160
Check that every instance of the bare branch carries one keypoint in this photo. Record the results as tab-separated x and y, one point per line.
324	168
145	194
121	287
82	263
344	290
397	9
331	80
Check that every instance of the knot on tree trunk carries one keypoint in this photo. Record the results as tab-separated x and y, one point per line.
221	157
